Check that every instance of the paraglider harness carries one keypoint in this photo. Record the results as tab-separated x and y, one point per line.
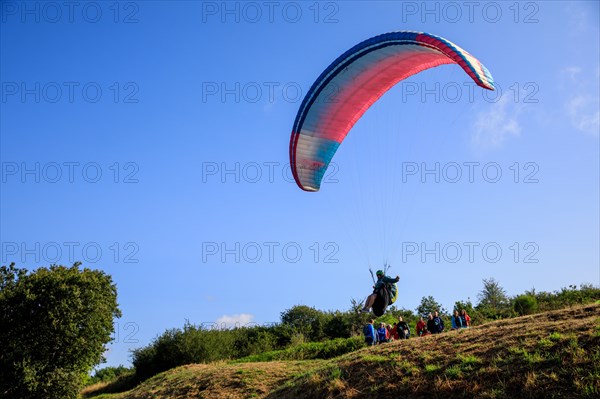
386	294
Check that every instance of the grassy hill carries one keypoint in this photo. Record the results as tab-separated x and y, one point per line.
552	354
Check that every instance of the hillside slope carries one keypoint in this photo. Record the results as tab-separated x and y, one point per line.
553	354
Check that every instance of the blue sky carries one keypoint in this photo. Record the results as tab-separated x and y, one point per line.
150	140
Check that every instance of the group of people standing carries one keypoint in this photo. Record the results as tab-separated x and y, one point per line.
386	333
401	330
435	324
461	320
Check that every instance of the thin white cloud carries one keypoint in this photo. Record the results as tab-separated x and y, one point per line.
235	320
572	73
582	103
584	113
494	126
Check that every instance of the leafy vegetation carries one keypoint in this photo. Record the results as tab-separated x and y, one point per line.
107	374
548	355
55	322
493	301
566	296
311	350
288	340
525	304
308	333
429	305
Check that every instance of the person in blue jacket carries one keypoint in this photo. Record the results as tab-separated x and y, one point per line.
382	280
369	332
382	333
456	321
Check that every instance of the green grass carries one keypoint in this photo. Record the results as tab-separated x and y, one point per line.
375	358
432	368
335	373
469	360
406	367
555	336
454	373
469	363
573	342
597	328
533	358
546	343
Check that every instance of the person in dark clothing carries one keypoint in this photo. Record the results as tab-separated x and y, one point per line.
382	281
437	324
430	324
369	332
401	329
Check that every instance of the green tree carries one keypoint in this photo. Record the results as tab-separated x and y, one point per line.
406	314
54	323
525	304
338	325
357	318
429	305
493	300
305	320
492	295
108	374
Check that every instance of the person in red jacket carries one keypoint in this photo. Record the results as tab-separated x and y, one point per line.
395	332
466	320
422	328
388	334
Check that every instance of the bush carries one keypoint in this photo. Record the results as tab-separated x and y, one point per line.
310	350
254	340
107	374
338	325
194	344
55	322
306	320
525	304
177	347
123	379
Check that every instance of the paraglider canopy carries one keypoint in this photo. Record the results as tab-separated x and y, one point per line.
358	78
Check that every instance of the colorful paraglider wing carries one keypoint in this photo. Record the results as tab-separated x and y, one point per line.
353	82
393	293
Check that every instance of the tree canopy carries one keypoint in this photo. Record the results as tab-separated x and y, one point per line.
430	305
492	296
54	323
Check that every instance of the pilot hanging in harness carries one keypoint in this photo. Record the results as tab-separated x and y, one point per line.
384	293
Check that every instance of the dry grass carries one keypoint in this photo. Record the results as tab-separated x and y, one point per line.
549	355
